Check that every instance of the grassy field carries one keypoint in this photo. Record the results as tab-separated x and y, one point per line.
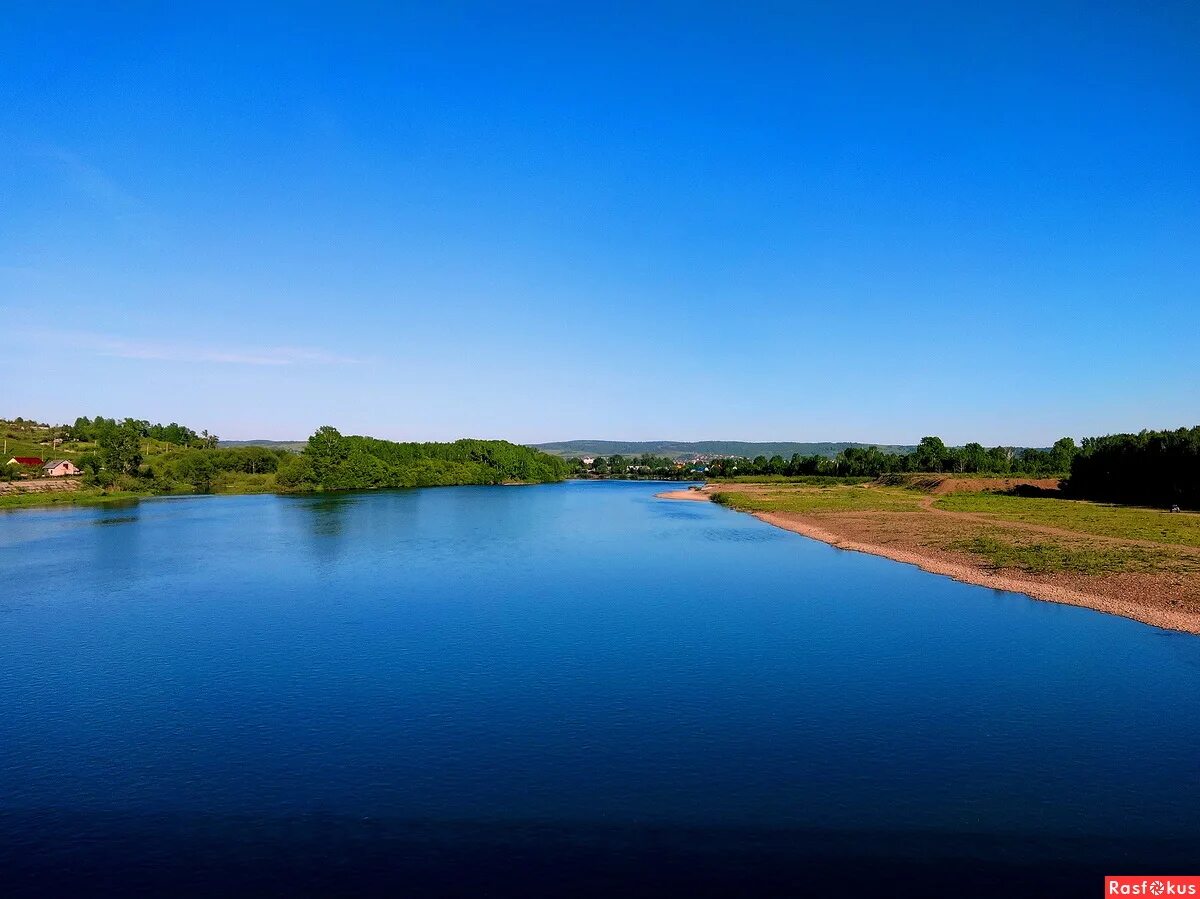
831	498
26	447
1122	522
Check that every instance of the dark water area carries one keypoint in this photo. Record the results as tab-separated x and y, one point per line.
570	689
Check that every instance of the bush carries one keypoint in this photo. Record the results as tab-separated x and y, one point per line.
294	473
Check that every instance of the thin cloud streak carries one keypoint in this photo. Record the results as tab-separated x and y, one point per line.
174	351
93	182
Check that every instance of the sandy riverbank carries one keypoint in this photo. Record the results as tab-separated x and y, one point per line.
684	494
1143	598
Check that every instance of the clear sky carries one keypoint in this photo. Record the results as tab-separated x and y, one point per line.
828	221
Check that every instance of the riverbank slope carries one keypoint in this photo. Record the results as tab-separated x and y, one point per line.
1142	564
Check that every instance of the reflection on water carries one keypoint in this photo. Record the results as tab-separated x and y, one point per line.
325	513
741	535
679	512
119	519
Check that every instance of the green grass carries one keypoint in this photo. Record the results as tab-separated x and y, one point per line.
807	479
26	447
822	499
1049	556
228	483
239	482
67	498
1125	522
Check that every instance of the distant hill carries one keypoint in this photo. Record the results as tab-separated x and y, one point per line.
677	449
293	446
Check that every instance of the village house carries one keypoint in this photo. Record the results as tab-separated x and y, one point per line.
26	460
57	468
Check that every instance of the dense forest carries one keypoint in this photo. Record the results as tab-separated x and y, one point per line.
331	461
1160	468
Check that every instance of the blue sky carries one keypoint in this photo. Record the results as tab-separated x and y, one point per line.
632	221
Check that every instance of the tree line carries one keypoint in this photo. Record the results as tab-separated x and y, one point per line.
95	429
643	467
331	461
1159	468
1150	467
931	455
140	457
119	462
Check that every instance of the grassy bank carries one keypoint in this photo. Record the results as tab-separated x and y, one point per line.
1028	534
1135	562
68	498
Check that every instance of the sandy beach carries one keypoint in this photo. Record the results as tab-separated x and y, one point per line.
1156	599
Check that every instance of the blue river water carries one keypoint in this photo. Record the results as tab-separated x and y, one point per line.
573	689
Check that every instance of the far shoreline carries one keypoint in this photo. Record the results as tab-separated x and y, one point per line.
1154	615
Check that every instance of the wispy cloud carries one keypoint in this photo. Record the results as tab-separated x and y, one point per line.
180	351
91	181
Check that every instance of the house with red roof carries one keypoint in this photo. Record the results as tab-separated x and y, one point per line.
26	460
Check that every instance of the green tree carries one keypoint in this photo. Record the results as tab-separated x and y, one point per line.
1063	453
974	457
90	463
931	454
326	450
1000	459
198	469
121	447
